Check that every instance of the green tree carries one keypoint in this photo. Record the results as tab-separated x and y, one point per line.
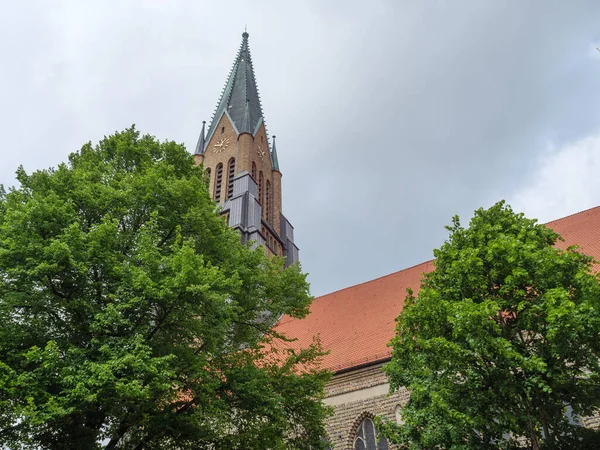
132	317
501	341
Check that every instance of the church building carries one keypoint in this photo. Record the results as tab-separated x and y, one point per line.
354	324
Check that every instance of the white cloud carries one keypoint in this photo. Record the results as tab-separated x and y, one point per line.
565	180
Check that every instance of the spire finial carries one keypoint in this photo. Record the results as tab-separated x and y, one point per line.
245	33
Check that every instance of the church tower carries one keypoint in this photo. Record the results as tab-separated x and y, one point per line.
242	164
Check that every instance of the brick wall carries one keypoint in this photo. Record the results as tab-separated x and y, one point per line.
364	393
355	391
592	421
277	201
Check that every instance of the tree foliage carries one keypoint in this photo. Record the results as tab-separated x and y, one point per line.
132	317
502	341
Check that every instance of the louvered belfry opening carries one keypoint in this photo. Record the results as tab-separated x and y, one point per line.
219	183
230	176
268	201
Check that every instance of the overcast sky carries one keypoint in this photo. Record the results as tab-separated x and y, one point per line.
390	116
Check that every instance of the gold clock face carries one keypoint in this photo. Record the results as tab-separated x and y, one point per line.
261	153
221	145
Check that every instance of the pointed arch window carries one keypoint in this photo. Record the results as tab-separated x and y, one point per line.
230	176
254	170
207	172
260	190
268	201
218	182
367	437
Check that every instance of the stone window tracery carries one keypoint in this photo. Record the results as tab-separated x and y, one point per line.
367	437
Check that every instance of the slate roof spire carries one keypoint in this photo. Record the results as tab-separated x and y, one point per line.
240	99
274	160
201	141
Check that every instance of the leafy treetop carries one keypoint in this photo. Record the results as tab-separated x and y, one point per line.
502	341
132	317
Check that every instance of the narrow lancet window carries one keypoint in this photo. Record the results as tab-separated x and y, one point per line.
218	183
230	176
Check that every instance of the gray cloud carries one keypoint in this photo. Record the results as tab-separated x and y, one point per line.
390	116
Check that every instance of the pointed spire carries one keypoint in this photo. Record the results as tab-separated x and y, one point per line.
239	99
201	141
274	160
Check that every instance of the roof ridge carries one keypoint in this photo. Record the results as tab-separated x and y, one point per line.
431	260
375	279
571	215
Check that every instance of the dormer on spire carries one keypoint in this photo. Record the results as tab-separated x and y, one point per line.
245	127
240	100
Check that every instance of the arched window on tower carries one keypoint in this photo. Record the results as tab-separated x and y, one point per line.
260	191
230	176
207	176
268	201
367	437
218	182
254	170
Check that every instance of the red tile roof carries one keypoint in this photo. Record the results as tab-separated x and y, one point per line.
582	229
355	324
